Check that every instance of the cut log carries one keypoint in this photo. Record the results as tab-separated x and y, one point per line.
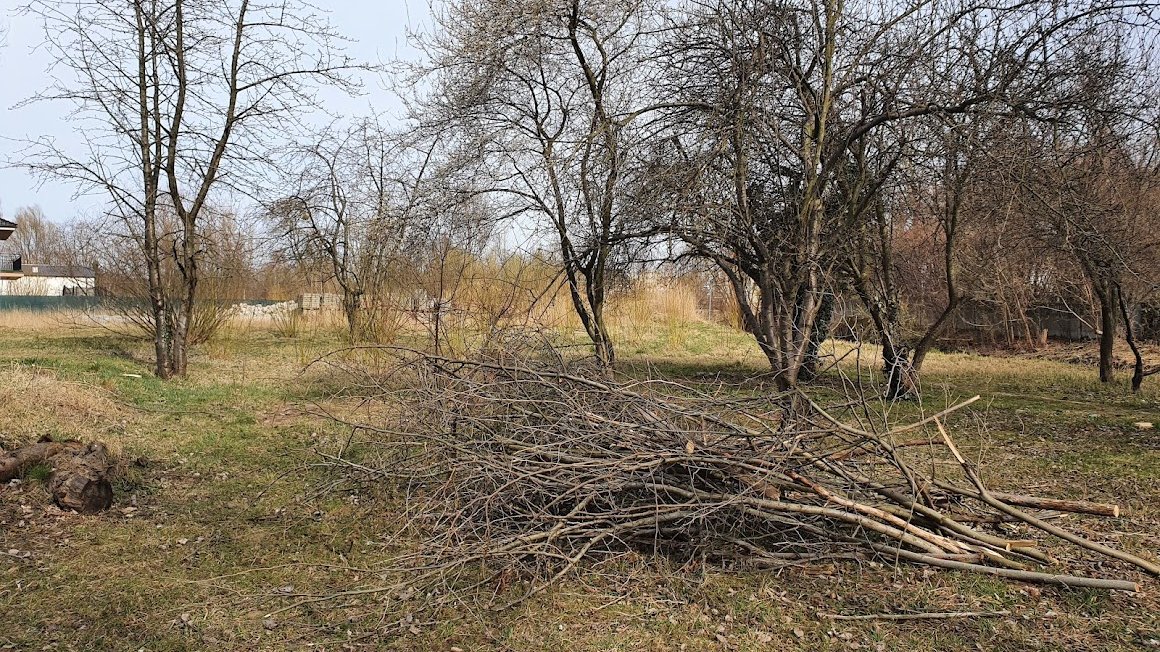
14	463
79	480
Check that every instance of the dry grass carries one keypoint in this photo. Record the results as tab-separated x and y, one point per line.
42	320
664	306
37	402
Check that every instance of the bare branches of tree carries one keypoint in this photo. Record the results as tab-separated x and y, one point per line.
177	102
546	98
793	117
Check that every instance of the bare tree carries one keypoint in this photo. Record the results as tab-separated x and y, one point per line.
359	203
37	239
177	102
1087	178
790	116
546	98
918	191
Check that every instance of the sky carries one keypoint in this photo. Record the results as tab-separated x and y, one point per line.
378	33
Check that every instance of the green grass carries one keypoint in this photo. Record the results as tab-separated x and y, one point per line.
218	511
38	473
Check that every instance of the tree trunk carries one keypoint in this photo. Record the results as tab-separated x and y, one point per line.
601	339
81	482
351	305
1129	335
1107	297
810	368
901	376
589	304
160	335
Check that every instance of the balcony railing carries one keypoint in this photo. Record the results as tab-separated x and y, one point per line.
10	263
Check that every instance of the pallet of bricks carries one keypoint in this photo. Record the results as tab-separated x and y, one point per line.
324	301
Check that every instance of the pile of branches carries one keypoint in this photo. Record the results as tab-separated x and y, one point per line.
534	468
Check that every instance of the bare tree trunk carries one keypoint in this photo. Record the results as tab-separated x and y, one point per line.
157	307
601	340
810	368
1107	297
928	339
190	276
1138	366
901	376
350	309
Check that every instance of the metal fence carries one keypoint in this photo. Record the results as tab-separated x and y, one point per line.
47	304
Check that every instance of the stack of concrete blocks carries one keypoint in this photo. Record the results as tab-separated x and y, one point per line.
323	301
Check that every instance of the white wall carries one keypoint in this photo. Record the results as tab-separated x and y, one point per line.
45	286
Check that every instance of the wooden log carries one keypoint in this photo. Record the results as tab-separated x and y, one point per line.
79	479
81	482
14	463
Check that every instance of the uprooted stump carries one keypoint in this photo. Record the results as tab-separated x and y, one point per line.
530	468
80	472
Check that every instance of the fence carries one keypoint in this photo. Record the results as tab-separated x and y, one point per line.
47	304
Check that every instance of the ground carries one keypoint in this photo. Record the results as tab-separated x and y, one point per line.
223	516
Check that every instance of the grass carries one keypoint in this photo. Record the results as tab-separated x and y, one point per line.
219	518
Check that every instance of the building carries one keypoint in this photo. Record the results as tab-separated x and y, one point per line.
9	263
26	280
34	280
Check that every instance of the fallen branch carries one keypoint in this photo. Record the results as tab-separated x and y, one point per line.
934	615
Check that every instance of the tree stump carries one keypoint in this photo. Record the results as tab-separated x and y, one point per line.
79	479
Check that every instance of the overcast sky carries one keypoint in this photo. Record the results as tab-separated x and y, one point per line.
378	29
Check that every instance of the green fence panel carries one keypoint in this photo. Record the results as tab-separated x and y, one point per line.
47	304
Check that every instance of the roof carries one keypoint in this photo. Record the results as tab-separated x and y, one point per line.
6	228
66	271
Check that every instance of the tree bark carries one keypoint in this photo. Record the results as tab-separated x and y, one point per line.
81	482
901	375
1107	297
1138	366
810	368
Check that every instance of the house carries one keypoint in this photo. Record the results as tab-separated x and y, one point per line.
9	263
34	280
23	279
